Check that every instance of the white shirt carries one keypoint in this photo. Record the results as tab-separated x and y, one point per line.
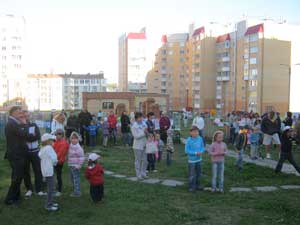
48	160
199	122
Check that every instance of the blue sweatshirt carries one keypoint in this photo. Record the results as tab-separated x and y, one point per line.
92	129
254	138
192	146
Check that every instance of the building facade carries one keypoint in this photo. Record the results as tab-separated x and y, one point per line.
132	59
12	73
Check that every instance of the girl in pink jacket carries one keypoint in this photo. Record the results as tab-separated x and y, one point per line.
75	161
217	151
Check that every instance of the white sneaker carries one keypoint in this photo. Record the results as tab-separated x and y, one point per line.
28	193
41	193
57	194
268	156
52	208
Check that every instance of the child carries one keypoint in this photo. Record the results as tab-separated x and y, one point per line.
94	174
169	147
76	159
240	145
217	152
254	143
160	146
194	148
61	147
286	149
151	150
105	131
92	129
48	161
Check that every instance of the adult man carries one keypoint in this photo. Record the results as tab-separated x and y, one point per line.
164	124
112	121
84	118
16	138
125	129
270	126
32	158
199	123
72	124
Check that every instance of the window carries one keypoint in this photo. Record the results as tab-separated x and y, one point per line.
164	52
227	44
107	105
87	81
170	44
252	60
164	83
253	49
170	52
3	48
181	44
254	72
181	52
81	81
253	37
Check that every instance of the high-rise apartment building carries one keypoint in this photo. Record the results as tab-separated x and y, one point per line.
12	73
132	59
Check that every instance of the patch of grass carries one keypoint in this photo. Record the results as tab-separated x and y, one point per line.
134	203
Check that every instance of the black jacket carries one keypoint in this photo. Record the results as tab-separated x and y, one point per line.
37	134
125	124
73	122
241	141
84	118
270	127
286	143
150	126
16	138
288	121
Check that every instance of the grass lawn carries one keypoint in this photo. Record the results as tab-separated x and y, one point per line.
132	203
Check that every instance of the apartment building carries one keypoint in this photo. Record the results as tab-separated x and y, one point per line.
169	74
132	60
12	74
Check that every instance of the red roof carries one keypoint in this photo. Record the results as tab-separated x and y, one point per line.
199	31
164	39
255	29
136	36
222	38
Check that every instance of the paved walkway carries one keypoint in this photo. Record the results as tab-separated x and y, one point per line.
287	168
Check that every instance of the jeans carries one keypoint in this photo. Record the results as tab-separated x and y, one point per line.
239	160
140	162
113	134
169	158
17	174
163	135
151	161
253	150
58	170
92	140
75	179
217	171
50	191
202	135
105	139
286	156
159	156
126	138
194	175
33	159
97	192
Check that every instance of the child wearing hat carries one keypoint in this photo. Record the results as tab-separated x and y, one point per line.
94	174
286	149
48	161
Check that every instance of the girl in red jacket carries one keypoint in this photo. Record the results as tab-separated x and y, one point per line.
94	174
61	147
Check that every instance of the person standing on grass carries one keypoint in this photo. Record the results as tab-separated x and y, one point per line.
194	148
161	146
58	122
139	132
125	129
288	121
270	126
164	125
240	145
61	147
112	120
169	147
33	158
217	151
105	132
198	122
16	142
76	159
149	122
151	150
85	119
72	124
254	143
92	131
48	161
286	150
94	173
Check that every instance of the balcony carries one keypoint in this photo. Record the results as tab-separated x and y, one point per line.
252	88
196	88
218	106
197	96
223	78
219	87
246	77
226	59
197	79
253	77
218	96
219	78
225	69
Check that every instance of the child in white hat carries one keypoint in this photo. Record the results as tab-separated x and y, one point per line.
94	174
48	161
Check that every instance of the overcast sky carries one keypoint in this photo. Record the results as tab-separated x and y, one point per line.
82	36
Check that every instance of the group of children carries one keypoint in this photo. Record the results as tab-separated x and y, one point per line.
55	151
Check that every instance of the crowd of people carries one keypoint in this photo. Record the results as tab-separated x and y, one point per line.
150	136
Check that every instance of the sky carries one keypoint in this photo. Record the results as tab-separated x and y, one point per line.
82	36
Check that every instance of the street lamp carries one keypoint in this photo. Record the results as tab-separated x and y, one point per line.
289	67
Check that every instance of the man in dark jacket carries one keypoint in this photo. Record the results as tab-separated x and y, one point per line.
270	126
72	124
288	121
32	158
85	119
164	124
16	138
125	129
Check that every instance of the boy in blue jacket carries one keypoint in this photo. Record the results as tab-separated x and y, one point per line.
194	148
92	129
